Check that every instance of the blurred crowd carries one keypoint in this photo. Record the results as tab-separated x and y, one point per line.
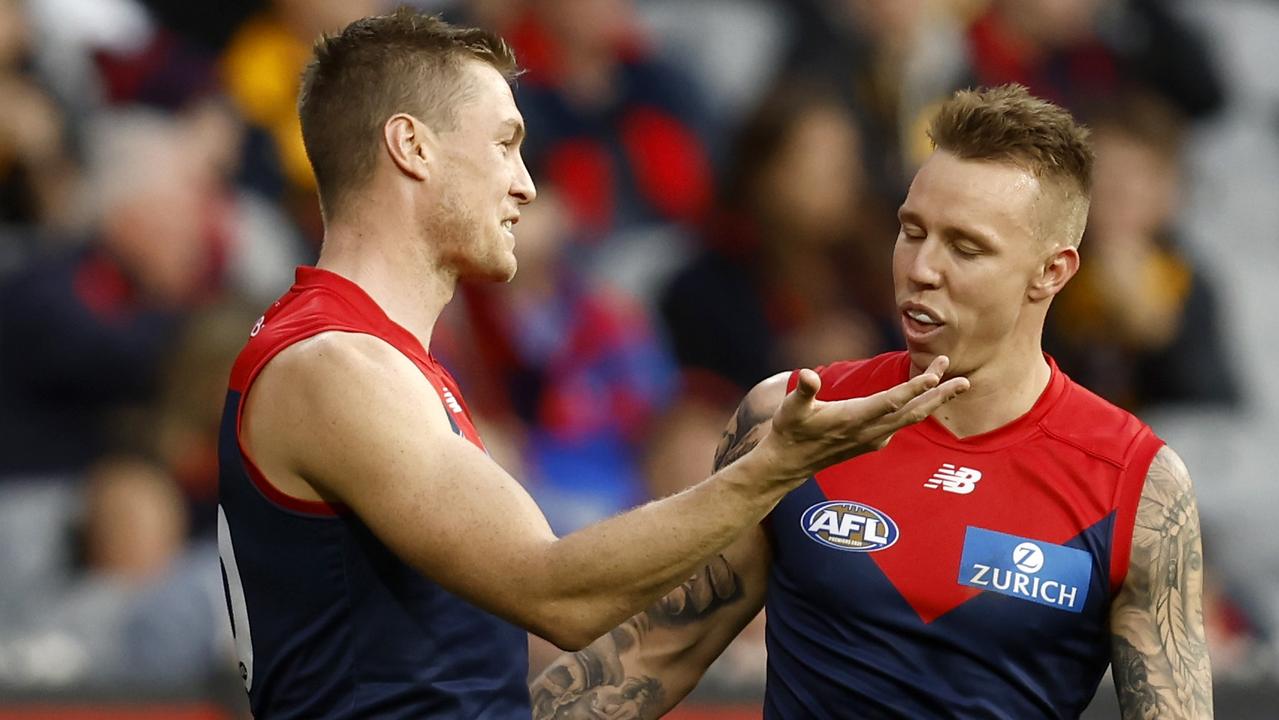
718	183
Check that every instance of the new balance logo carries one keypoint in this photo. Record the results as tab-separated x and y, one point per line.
452	401
961	480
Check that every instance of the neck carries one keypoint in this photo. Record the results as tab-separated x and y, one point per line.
1002	391
396	269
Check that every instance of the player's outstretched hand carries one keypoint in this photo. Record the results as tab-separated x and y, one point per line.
810	434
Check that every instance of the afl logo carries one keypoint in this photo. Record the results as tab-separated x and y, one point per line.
849	526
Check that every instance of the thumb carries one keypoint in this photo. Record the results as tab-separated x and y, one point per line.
800	400
808	383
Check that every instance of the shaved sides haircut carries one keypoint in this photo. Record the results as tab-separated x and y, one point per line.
376	67
1008	124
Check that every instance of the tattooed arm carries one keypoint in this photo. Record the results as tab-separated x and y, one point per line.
1158	655
646	665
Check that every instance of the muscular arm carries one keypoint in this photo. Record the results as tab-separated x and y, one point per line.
349	418
646	665
1158	656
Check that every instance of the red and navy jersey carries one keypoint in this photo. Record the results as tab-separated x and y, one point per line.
958	578
328	622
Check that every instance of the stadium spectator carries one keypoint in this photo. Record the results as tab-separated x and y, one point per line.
261	66
1140	324
785	278
620	133
36	171
86	330
877	55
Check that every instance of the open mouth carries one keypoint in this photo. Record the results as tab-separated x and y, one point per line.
920	324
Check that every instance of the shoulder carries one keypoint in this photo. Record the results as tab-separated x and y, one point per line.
338	375
1095	426
1167	477
334	395
339	354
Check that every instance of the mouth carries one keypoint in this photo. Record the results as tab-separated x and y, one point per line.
919	323
509	223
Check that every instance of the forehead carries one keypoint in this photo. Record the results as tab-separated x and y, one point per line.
990	197
488	99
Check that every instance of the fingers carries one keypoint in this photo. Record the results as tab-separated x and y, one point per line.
926	404
895	398
938	366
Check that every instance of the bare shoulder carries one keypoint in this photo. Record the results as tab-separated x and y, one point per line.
339	371
1167	477
320	395
752	420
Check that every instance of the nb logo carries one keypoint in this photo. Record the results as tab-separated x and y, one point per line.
959	480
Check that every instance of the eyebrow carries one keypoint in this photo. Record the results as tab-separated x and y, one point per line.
516	125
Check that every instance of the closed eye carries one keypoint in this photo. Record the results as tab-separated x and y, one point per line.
966	249
911	232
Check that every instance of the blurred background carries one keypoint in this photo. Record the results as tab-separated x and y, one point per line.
717	188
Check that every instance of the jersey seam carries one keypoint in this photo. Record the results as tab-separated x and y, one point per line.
1117	464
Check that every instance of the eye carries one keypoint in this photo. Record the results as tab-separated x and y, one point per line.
911	232
966	249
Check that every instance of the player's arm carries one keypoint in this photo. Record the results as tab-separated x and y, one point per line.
647	664
361	425
1158	655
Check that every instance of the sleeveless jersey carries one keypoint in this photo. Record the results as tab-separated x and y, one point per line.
328	622
955	578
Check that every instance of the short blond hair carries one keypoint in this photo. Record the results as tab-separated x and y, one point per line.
1008	124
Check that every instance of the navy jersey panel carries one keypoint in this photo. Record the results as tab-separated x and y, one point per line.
341	628
842	641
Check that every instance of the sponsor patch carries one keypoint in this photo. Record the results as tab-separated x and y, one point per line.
849	526
1041	572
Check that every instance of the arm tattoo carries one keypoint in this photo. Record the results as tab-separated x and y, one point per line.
606	680
744	431
1158	651
602	680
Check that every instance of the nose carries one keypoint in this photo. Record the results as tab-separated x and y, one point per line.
523	188
923	269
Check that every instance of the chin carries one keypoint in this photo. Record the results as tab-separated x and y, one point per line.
921	356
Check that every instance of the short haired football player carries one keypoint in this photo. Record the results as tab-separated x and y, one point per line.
376	562
991	561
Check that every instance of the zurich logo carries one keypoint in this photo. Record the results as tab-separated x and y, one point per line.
849	526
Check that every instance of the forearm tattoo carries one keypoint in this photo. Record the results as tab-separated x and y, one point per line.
607	679
1158	651
603	681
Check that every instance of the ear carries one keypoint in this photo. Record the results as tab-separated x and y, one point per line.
1057	270
410	144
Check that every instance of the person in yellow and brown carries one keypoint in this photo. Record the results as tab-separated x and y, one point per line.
1138	325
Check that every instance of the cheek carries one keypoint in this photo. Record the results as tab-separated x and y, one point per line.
901	261
991	299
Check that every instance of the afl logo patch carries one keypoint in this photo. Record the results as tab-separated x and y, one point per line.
849	526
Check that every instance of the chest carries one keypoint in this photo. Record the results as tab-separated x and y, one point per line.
935	528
